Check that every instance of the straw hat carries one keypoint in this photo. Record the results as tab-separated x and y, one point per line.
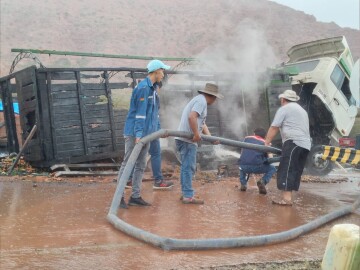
212	89
289	95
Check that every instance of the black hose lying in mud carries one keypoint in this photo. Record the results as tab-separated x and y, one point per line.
213	243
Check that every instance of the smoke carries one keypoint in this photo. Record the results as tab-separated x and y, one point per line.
245	51
222	153
244	54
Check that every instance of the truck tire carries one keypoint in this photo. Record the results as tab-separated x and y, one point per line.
315	165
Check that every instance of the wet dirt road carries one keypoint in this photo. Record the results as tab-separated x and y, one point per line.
64	226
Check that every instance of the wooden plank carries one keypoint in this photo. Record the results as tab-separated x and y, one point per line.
67	123
110	110
133	83
89	76
123	85
91	108
33	153
118	113
28	92
63	75
119	132
65	102
63	87
82	113
66	131
44	125
97	120
25	76
27	106
93	86
100	142
98	135
52	113
96	127
66	117
93	100
100	149
98	114
120	140
119	127
136	75
41	76
9	117
63	95
70	153
68	109
120	123
92	93
67	139
93	157
69	146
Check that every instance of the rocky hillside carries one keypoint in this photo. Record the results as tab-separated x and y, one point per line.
179	28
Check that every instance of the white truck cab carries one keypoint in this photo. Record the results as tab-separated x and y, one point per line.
321	74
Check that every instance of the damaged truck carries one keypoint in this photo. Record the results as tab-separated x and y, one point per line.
321	73
80	112
325	77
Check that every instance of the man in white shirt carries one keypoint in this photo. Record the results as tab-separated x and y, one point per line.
293	122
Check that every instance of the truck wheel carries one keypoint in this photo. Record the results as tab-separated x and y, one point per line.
315	165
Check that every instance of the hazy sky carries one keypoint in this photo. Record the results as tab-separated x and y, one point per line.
344	13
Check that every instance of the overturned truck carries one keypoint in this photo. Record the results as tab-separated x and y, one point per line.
80	112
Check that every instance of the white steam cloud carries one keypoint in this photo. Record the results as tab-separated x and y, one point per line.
243	50
246	52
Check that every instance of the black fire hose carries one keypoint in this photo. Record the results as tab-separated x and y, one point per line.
213	243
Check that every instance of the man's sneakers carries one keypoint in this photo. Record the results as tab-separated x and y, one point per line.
242	187
137	202
261	186
133	202
192	200
163	185
123	204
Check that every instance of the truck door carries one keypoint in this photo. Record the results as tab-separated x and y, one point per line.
342	103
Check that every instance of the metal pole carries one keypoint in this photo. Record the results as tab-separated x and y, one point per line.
103	55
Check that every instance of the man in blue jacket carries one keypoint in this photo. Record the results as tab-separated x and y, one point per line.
155	152
142	119
253	161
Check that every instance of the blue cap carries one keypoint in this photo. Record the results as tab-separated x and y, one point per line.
155	65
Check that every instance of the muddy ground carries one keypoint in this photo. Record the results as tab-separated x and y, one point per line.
60	223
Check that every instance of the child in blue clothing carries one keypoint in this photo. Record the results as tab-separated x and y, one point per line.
253	161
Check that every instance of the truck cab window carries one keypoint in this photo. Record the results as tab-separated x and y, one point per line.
342	84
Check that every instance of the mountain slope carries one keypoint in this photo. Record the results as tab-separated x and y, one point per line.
157	28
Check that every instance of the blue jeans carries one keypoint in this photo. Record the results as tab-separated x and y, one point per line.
267	169
188	166
155	153
140	164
